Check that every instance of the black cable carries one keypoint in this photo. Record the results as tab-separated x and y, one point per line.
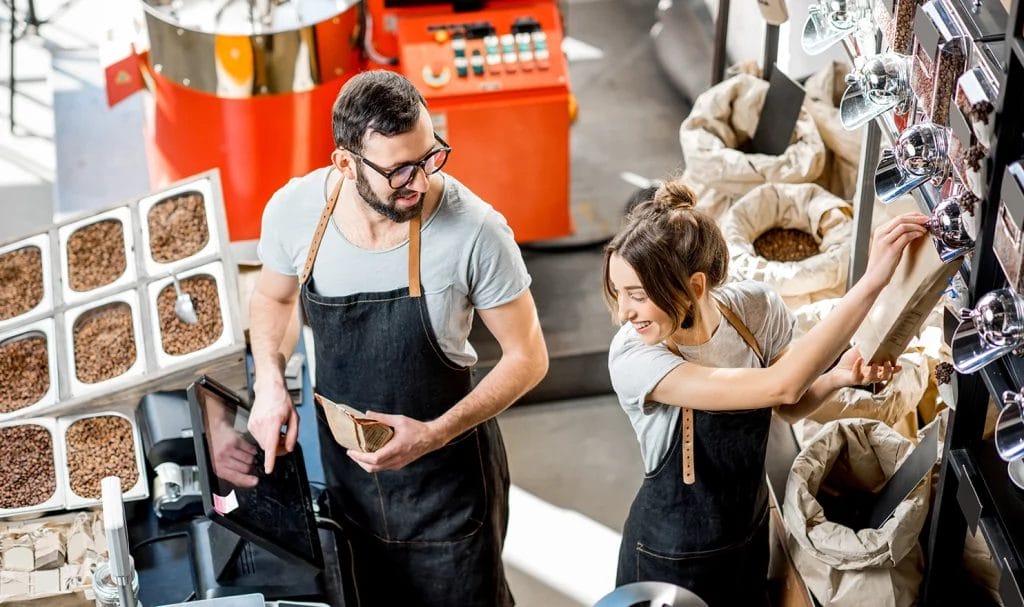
159	538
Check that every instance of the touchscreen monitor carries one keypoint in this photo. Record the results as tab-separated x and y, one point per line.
273	511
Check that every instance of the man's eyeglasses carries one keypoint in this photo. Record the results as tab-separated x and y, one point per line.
403	175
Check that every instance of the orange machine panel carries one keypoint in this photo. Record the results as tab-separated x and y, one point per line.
497	86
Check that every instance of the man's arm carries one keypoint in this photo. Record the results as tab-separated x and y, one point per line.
271	311
523	363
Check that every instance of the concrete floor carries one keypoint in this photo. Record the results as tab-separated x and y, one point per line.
574	462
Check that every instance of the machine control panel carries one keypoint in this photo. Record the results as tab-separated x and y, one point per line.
505	49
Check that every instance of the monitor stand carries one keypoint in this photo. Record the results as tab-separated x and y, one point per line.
224	564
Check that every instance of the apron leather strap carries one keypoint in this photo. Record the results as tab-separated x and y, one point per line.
414	257
744	332
686	428
321	227
415	289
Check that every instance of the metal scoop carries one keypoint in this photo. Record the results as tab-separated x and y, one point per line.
184	309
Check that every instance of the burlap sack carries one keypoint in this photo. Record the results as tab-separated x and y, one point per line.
804	207
842	147
721	123
842	567
895	403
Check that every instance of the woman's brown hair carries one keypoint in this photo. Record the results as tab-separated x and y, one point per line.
666	240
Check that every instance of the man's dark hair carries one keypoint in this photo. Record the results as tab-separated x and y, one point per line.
377	100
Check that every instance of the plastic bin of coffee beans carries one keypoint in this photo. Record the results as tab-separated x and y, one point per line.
949	65
176	336
902	28
21	281
786	244
27	374
922	78
96	253
178	227
100	445
30	479
975	98
105	340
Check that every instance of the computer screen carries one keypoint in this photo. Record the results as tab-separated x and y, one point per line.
273	511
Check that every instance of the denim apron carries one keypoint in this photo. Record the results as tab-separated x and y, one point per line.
432	532
710	536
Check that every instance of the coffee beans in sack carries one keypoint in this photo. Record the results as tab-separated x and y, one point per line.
785	244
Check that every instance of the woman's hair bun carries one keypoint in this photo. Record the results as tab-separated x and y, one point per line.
674	195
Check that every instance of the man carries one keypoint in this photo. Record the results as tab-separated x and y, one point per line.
399	260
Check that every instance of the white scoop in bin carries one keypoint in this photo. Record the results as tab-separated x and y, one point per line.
881	84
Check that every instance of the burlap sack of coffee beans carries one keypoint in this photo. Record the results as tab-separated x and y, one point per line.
98	447
24	372
785	244
27	476
104	343
96	255
792	237
180	338
178	228
21	281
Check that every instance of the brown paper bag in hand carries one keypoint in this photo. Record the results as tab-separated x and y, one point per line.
904	304
352	429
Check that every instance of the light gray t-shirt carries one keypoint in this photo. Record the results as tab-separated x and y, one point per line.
636	368
468	257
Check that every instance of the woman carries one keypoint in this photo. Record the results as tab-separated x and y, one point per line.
698	366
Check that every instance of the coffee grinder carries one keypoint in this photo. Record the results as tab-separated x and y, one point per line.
167	440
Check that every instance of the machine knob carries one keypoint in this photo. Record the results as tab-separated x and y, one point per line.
437	74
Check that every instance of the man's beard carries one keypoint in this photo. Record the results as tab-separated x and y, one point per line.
387	209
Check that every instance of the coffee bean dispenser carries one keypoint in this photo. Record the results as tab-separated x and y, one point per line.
976	96
940	57
26	280
829	21
920	155
1006	241
28	369
31	477
86	282
994	328
97	255
95	445
880	83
